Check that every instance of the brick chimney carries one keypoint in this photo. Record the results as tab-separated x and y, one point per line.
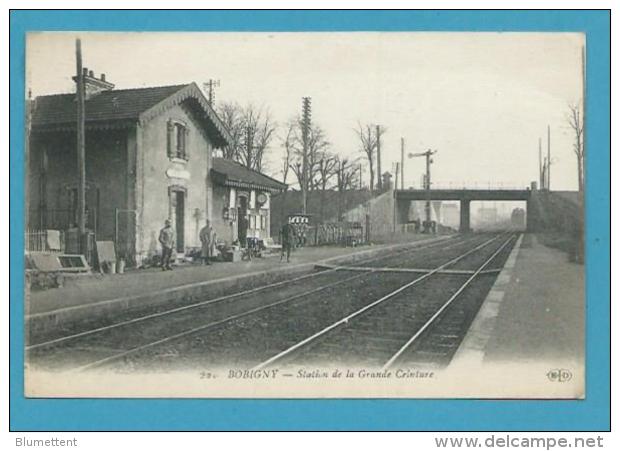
92	84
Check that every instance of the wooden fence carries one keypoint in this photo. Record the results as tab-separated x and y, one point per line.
339	233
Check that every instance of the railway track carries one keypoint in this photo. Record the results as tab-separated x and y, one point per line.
404	326
249	338
94	347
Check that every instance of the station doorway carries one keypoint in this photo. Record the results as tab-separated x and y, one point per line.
177	215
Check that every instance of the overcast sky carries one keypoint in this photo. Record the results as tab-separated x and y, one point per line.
481	99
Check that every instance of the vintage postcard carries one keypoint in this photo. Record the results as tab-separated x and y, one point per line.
305	215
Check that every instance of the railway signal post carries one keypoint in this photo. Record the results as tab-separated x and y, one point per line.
427	186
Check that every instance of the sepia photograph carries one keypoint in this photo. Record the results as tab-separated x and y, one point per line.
305	215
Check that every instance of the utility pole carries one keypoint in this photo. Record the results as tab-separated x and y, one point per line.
549	157
81	192
248	144
307	112
380	176
427	184
209	88
427	206
402	163
397	172
541	177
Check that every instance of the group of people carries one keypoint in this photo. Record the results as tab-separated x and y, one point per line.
288	236
167	240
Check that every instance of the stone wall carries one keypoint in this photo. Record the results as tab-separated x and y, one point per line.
163	174
380	213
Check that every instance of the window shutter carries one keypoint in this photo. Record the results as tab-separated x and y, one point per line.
170	139
186	143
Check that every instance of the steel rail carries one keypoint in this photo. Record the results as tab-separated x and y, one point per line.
228	297
438	313
358	312
213	324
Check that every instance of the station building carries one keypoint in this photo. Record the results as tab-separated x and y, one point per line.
241	201
149	157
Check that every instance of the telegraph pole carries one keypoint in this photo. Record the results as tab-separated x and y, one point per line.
379	178
307	112
397	172
248	144
81	166
541	176
549	157
402	163
427	206
209	86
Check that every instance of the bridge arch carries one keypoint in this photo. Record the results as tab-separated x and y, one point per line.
403	199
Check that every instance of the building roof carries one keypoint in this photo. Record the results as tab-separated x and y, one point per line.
120	107
230	173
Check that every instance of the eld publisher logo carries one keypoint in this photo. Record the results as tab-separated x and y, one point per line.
559	375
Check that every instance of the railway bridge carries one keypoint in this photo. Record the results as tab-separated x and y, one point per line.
403	199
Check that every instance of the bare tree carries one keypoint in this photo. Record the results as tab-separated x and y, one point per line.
368	138
259	131
346	173
575	121
231	115
326	169
316	149
288	144
346	179
252	130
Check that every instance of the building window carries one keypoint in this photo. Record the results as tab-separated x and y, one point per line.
178	134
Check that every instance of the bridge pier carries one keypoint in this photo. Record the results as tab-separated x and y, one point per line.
530	220
466	196
402	212
465	214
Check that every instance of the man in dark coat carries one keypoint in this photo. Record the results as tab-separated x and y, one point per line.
287	238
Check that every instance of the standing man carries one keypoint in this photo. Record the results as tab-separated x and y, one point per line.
207	238
166	239
287	238
242	231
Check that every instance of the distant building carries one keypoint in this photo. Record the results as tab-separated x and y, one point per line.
450	215
517	218
386	180
487	216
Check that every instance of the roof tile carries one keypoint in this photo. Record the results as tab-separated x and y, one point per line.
117	104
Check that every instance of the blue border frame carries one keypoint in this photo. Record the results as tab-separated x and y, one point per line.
437	415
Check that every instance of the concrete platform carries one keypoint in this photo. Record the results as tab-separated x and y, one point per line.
534	316
98	295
